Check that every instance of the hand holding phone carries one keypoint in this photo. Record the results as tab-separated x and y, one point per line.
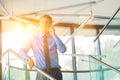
52	30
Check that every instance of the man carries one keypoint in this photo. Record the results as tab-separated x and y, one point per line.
41	54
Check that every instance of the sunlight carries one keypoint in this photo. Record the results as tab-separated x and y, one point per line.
15	39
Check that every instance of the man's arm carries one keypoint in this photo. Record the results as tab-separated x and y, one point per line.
24	50
23	53
60	45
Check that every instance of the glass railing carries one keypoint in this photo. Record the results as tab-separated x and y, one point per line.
80	70
15	69
108	41
103	71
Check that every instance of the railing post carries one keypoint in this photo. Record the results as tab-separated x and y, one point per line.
0	49
27	73
98	51
73	57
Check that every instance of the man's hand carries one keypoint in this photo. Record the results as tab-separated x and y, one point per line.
30	62
52	30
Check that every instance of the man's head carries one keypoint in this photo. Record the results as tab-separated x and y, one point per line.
45	23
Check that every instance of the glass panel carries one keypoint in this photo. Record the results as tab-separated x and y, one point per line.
16	69
82	63
101	72
5	67
66	62
32	75
83	76
67	76
82	67
16	74
108	43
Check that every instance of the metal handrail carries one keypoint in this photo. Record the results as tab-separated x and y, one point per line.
82	71
105	64
37	69
105	26
78	71
74	55
69	71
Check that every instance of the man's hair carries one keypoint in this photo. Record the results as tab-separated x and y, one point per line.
46	16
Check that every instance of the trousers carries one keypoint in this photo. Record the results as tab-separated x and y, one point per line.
56	74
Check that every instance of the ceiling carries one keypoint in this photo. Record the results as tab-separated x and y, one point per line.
62	11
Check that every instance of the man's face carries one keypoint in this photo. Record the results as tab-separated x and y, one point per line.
45	23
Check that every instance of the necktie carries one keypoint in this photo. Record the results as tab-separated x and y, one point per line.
46	52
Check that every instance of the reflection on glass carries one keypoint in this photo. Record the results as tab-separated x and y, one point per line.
101	72
108	43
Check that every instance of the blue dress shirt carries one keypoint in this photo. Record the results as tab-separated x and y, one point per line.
36	43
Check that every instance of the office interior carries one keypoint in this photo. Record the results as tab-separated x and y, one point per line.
90	29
